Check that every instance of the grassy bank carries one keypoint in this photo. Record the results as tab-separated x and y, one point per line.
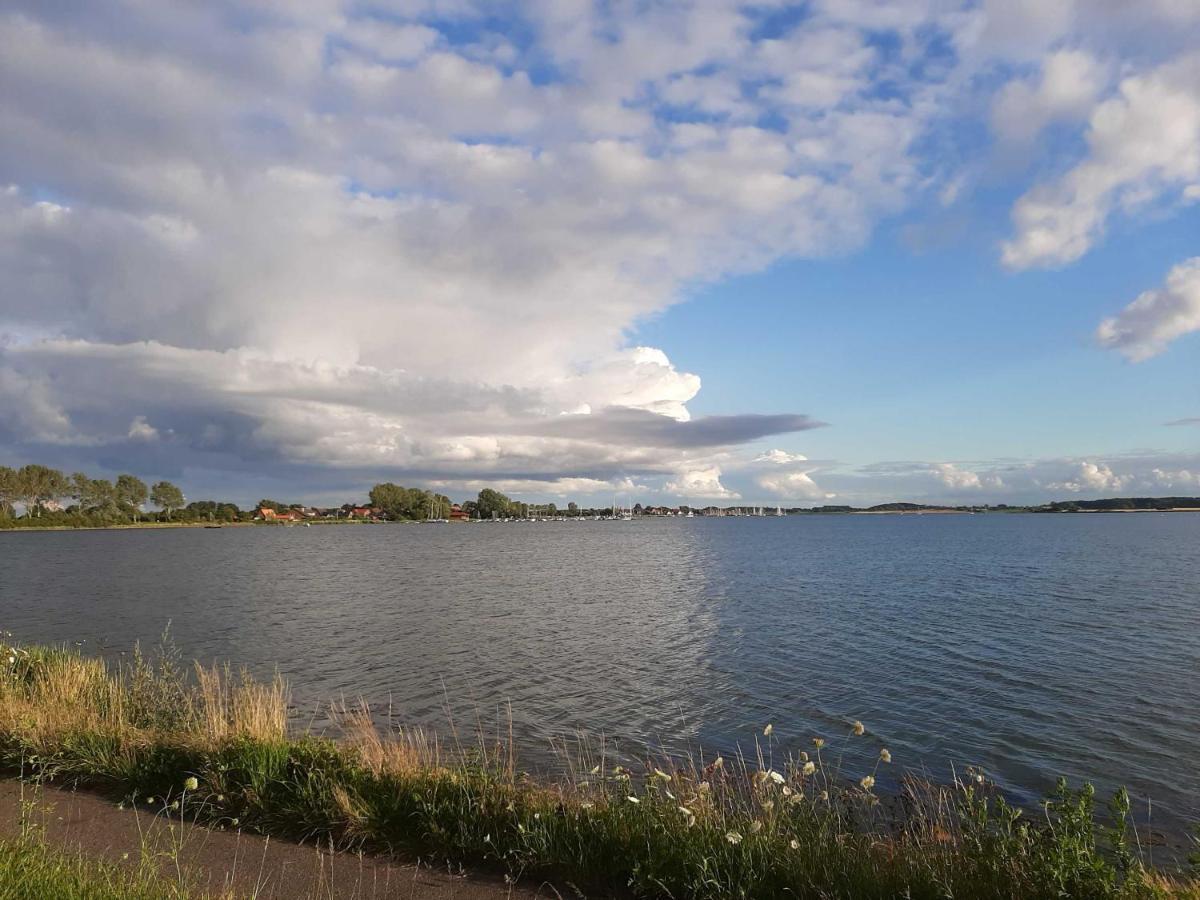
217	747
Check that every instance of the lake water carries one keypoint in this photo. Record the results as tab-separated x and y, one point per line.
1030	645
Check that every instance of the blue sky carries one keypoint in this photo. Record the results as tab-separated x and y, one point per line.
942	351
843	251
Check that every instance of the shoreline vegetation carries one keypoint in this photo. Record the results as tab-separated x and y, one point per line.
218	747
36	497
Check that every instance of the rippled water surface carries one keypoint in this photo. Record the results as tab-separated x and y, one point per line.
1030	645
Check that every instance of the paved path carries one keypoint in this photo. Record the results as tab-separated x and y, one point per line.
244	864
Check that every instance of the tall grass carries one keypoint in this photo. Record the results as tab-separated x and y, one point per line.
217	743
32	870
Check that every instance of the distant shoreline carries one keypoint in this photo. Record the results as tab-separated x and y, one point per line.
172	525
855	512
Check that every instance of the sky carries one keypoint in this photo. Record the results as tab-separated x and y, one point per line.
834	252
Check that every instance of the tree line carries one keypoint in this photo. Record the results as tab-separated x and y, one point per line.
409	504
47	496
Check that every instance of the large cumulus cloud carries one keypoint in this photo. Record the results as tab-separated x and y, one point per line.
403	238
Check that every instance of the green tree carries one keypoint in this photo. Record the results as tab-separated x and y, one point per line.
92	494
166	497
439	505
132	492
37	485
492	504
407	504
98	496
80	486
573	508
212	511
391	498
8	491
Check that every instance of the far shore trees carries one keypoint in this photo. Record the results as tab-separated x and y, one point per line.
132	492
492	504
166	497
8	492
38	485
212	511
38	496
48	498
408	504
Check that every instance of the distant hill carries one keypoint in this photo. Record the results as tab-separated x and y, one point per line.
902	507
1109	504
1116	504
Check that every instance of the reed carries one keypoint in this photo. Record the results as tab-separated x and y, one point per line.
218	744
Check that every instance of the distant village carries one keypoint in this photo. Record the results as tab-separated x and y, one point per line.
457	512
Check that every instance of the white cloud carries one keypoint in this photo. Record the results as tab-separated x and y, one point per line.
1181	478
350	241
1013	482
1091	476
964	479
318	238
1065	90
700	482
141	430
1146	326
1143	144
780	457
795	485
